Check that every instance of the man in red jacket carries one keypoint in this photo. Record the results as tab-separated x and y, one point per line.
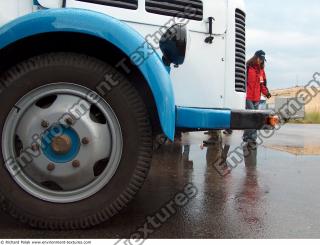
256	85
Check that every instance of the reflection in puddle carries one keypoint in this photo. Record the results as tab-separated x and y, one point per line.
253	202
297	150
249	201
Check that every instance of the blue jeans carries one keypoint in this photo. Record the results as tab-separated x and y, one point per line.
251	134
263	105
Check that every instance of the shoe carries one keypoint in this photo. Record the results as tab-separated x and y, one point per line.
228	132
251	145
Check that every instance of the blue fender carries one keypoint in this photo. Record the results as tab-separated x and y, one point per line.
113	31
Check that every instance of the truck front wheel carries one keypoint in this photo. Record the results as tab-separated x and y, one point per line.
76	141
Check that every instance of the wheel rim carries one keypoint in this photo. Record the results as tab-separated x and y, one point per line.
65	139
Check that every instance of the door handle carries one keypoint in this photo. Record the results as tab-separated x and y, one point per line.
210	38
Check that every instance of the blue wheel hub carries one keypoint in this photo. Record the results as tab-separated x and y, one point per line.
61	148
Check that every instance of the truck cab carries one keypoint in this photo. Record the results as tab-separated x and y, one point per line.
88	85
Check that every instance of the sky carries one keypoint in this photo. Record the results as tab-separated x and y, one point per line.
289	32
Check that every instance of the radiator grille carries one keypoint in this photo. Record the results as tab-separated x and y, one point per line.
126	4
188	9
240	73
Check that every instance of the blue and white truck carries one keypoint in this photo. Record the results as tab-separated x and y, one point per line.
88	85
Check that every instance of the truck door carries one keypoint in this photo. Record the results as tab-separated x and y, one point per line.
199	82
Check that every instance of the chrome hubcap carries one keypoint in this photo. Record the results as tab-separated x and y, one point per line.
66	140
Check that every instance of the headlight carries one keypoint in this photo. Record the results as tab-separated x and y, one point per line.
173	45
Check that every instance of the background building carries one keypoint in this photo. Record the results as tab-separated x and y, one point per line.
312	107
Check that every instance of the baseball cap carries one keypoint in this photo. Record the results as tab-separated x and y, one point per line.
261	54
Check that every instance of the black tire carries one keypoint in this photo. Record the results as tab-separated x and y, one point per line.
137	142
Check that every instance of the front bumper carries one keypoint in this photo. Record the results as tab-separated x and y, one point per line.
197	119
252	119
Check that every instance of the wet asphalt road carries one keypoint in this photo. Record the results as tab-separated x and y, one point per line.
278	199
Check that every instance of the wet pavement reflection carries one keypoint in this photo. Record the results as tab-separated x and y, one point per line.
270	194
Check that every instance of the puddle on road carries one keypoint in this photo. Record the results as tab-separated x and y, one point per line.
297	150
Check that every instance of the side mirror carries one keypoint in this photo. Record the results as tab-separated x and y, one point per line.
173	45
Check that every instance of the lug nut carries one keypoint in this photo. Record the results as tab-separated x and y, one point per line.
69	121
35	147
76	163
51	167
85	141
45	124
